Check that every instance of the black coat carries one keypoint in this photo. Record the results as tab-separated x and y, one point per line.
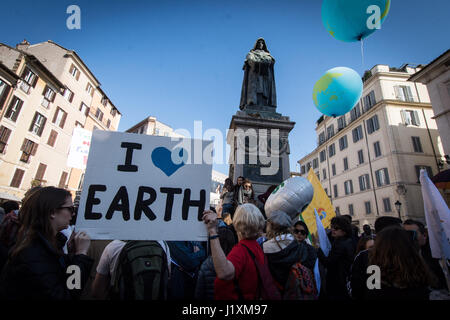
280	262
204	289
38	272
358	276
338	264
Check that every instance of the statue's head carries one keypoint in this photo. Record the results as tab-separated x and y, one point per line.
260	45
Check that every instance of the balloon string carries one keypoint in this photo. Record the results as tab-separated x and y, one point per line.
362	55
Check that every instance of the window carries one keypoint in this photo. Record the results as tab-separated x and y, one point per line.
113	112
357	134
84	109
345	163
404	93
429	171
333	169
355	113
410	117
321	138
308	166
157	133
338	211
40	172
343	143
330	131
52	138
326	191
416	144
99	114
17	178
104	101
49	96
377	149
90	89
364	182
318	175
62	180
108	123
315	163
28	149
323	155
68	95
350	210
348	186
4	137
341	123
74	72
372	124
335	188
369	100
331	150
303	170
14	109
38	123
59	118
361	157
29	80
368	207
78	125
382	177
387	205
324	173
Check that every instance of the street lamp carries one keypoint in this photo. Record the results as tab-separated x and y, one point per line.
398	205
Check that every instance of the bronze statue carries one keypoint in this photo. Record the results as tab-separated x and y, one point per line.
258	87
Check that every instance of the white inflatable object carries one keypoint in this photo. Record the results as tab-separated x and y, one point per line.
291	196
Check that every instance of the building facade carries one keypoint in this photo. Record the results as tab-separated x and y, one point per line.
369	159
54	93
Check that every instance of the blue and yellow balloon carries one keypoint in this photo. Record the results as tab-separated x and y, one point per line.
337	91
353	20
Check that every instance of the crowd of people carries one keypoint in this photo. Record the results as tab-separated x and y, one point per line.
248	256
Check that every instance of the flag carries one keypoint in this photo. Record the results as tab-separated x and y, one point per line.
324	242
317	275
437	215
321	203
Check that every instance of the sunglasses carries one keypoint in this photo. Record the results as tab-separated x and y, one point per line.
71	209
303	232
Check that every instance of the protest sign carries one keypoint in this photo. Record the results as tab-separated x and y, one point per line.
140	187
79	148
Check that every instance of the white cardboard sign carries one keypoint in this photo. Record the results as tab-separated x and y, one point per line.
141	187
79	148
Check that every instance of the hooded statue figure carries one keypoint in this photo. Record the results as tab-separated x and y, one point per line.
258	87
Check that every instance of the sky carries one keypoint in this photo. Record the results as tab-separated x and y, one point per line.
181	61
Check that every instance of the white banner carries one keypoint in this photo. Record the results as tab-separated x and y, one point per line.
141	187
79	148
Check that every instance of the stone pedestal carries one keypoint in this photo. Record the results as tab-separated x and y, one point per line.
259	147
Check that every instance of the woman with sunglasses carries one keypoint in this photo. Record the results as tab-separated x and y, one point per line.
37	267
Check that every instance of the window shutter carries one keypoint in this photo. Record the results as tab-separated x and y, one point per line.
35	79
63	120
55	116
376	124
403	114
78	75
40	172
62	180
17	178
45	90
355	139
367	182
4	134
71	96
409	96
34	149
361	186
369	126
416	120
386	176
24	145
372	98
52	138
377	174
53	97
71	68
41	129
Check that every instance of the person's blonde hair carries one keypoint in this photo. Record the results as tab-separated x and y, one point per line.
248	221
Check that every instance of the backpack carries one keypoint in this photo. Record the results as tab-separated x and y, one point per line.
266	285
142	272
300	284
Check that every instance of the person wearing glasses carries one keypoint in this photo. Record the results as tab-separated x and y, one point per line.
339	259
37	267
283	249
